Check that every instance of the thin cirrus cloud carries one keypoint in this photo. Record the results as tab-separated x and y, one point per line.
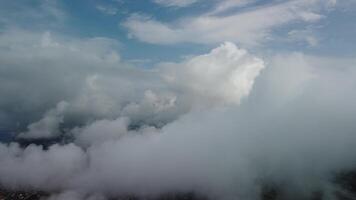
306	36
45	13
230	4
249	27
106	9
175	3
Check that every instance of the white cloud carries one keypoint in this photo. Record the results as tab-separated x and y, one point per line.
305	35
109	10
296	142
75	195
248	27
93	83
101	131
295	129
288	77
175	3
48	126
86	73
225	75
40	13
230	4
58	164
179	127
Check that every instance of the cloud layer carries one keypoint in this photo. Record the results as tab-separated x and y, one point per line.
179	127
225	123
87	81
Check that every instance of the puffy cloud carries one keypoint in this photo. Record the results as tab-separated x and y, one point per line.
39	169
38	72
74	195
250	27
154	109
101	131
48	126
105	130
225	75
280	136
178	127
78	81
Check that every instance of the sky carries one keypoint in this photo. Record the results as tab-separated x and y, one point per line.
317	27
220	97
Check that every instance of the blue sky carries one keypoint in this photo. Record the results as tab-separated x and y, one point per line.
331	33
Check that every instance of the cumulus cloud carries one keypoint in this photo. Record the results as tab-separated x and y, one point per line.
224	124
39	169
74	195
93	99
101	130
80	81
179	127
38	72
225	75
48	126
250	27
224	152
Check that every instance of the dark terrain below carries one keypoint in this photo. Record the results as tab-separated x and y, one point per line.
346	182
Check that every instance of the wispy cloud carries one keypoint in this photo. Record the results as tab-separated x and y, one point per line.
249	27
106	9
40	13
175	3
305	35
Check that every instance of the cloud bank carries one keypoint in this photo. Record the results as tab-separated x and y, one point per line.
86	81
224	124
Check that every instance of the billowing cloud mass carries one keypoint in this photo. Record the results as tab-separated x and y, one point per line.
226	123
178	127
94	84
226	74
48	126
